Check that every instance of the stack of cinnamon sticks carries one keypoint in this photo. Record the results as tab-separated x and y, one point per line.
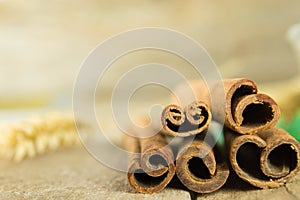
257	151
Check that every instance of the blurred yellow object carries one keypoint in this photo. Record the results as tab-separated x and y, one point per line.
286	93
36	135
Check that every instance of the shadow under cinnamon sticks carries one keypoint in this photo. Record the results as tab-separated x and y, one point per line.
265	160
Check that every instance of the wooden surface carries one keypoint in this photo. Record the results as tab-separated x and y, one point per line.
72	173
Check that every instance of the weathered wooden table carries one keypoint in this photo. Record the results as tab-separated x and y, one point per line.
72	173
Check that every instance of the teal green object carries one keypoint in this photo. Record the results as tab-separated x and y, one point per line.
293	127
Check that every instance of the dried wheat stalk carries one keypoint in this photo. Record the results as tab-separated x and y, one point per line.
36	135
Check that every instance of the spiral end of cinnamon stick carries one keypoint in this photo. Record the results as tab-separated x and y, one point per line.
193	120
151	167
246	110
156	162
197	169
144	183
265	160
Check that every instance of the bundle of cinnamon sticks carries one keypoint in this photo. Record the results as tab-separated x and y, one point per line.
257	151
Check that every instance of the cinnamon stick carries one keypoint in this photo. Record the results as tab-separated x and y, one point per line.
188	113
193	120
151	166
265	160
246	110
197	169
241	107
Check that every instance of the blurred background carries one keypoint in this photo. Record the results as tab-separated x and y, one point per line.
43	43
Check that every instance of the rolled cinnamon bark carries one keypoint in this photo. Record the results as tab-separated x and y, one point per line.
265	160
193	120
151	167
197	169
246	111
189	111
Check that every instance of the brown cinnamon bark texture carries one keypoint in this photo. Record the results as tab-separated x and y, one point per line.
244	110
265	160
197	169
151	167
193	120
